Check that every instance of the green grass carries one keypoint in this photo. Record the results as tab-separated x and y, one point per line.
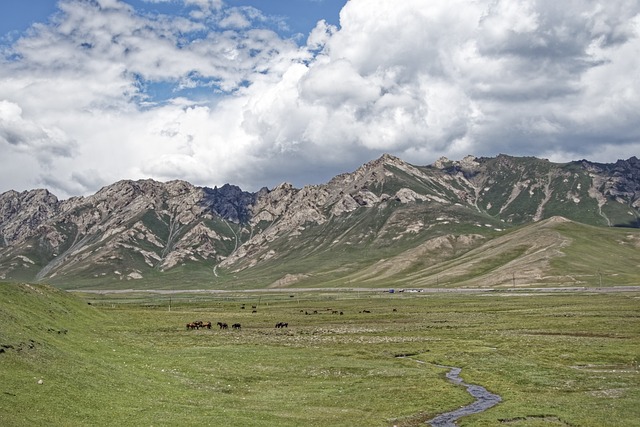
599	256
127	359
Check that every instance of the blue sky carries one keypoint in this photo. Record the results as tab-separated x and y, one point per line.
300	15
16	15
293	19
259	92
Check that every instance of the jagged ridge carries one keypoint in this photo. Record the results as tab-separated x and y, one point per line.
354	227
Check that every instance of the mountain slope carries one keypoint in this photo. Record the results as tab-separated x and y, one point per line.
386	221
122	231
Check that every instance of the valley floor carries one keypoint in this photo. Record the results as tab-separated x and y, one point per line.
556	357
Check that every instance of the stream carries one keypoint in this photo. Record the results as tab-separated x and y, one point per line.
484	400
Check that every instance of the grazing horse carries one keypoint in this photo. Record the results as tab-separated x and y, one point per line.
282	325
223	325
236	326
206	325
191	325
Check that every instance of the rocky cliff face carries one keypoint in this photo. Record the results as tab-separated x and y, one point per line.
138	229
22	213
230	202
619	181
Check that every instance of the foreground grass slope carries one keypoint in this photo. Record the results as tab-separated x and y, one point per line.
127	359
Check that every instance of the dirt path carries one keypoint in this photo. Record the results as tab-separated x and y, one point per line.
506	291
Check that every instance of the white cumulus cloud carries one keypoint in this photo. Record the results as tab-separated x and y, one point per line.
105	92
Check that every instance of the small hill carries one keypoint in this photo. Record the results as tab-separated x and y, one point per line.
33	315
45	336
553	252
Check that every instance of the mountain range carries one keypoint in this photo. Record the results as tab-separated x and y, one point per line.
477	222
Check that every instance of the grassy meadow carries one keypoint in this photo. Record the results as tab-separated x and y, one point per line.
556	359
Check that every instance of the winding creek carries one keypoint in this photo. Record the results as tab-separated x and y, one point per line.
484	399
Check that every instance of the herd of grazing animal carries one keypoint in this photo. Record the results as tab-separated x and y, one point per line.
200	324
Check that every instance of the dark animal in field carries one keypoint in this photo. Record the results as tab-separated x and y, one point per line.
199	324
236	326
254	311
282	325
395	310
366	311
223	325
341	313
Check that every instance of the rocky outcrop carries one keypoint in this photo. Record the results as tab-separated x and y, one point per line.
230	202
620	181
21	214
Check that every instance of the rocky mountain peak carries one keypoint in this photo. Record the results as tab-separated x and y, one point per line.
384	161
387	158
368	174
230	202
469	162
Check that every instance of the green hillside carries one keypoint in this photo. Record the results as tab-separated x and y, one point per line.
49	336
553	252
362	250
